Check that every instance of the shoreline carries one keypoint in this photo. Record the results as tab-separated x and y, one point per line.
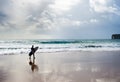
64	51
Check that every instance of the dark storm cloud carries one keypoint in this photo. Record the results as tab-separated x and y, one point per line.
3	17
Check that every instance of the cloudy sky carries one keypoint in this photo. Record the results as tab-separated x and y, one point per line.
59	19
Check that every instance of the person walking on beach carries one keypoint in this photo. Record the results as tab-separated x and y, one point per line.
32	51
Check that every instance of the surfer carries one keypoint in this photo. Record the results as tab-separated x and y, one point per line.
33	50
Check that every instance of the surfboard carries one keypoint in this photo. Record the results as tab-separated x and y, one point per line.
35	49
32	52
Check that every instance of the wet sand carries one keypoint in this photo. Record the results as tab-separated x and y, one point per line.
98	66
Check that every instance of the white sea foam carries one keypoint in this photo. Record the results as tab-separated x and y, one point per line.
23	46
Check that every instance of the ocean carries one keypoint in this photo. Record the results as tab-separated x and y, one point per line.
9	47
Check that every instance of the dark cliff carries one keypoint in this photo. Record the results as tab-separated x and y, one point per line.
116	36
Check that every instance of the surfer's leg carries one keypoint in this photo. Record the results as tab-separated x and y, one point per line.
34	56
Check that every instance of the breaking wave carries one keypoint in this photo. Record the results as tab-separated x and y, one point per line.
23	46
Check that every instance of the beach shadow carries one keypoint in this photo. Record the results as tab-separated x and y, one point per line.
32	64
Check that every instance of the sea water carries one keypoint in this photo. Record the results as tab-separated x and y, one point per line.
23	46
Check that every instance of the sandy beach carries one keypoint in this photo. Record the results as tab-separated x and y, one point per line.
80	66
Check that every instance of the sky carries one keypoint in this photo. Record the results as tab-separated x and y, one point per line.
59	19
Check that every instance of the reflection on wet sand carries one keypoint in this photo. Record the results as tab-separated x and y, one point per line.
61	67
84	73
82	68
32	64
